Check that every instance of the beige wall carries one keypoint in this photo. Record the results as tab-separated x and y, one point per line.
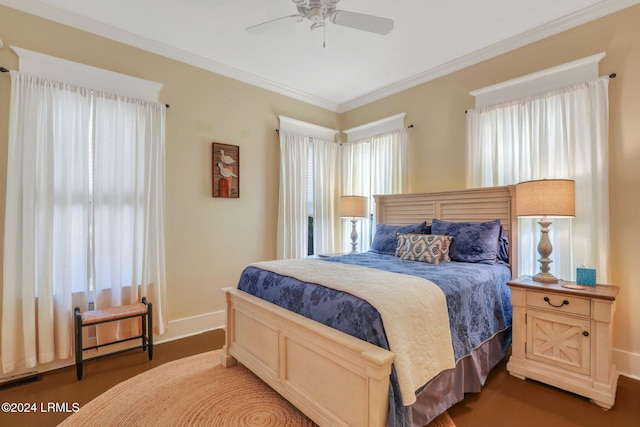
437	142
210	240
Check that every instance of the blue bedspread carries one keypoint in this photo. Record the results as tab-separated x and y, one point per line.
478	301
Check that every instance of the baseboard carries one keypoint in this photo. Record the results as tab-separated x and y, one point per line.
182	328
627	363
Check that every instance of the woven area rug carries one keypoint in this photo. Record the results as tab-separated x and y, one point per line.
195	391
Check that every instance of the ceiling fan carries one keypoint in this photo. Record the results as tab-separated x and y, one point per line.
320	11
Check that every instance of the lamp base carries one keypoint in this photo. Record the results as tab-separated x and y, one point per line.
544	249
545	278
354	236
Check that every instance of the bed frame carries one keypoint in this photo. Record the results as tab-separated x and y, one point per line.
334	378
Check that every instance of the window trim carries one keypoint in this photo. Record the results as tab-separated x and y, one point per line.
310	130
377	127
77	74
566	74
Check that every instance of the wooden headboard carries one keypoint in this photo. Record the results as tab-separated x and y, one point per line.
476	205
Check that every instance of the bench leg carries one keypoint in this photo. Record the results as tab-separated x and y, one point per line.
150	329
143	320
78	338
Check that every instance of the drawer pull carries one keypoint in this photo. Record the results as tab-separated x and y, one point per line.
565	302
585	333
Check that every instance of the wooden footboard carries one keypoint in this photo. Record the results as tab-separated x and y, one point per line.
333	378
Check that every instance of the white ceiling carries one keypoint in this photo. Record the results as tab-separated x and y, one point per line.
430	38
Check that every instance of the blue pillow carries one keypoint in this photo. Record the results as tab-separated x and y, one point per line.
471	241
385	240
503	246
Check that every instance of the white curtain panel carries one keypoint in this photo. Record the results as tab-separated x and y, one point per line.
326	178
355	159
128	209
389	162
47	243
558	134
372	166
46	226
292	206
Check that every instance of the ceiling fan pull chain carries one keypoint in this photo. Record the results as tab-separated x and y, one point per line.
324	36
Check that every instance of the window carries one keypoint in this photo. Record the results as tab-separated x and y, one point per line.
308	214
558	133
373	161
309	180
84	213
310	250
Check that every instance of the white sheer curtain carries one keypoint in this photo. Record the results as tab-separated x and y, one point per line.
326	179
292	205
355	159
47	247
128	208
371	166
46	231
558	134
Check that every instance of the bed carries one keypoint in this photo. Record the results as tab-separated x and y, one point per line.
349	377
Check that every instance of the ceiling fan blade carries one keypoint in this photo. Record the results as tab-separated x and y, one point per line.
373	24
269	25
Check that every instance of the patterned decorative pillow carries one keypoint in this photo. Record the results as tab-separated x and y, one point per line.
470	241
385	240
446	243
422	247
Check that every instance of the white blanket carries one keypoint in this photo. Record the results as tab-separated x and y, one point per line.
413	311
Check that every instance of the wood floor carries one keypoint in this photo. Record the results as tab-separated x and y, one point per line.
504	402
507	401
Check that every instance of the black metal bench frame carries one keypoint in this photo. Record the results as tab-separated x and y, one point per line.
146	336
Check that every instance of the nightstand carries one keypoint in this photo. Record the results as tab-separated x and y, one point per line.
564	337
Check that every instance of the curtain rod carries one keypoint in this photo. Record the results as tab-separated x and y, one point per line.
4	70
611	76
408	127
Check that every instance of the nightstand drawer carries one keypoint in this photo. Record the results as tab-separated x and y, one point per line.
559	302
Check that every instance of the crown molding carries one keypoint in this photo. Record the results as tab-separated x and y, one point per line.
52	13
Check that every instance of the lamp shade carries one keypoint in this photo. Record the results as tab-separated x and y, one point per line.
546	197
353	207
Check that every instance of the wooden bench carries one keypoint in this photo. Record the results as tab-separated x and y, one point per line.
96	317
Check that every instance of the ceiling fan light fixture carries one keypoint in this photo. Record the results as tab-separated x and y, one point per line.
316	15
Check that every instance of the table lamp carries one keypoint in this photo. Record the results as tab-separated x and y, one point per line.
545	198
353	207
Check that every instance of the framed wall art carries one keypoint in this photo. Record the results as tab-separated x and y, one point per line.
226	170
